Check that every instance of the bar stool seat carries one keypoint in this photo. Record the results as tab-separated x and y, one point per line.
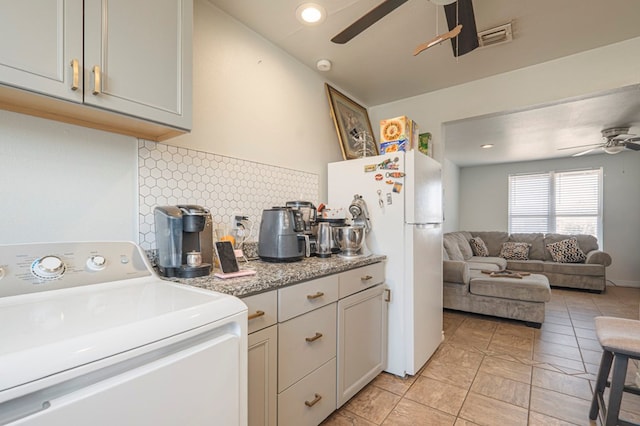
620	341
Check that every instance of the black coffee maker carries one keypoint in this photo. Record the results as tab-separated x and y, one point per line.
184	238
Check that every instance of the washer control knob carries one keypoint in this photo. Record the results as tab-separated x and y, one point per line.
48	267
96	263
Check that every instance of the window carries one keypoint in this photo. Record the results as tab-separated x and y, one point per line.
562	202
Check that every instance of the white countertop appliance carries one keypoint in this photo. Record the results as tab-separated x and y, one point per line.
403	192
91	335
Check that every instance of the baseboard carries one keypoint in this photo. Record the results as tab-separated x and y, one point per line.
623	283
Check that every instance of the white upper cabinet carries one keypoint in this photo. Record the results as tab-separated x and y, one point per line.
133	58
142	52
39	40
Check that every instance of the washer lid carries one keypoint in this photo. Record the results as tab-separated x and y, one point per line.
49	332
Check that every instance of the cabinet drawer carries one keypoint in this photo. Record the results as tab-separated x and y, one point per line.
359	279
305	297
263	310
305	343
311	400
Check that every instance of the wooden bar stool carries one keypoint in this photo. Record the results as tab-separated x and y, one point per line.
620	341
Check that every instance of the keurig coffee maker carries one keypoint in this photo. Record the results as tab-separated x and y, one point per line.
184	237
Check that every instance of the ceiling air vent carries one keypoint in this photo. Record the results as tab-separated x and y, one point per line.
498	35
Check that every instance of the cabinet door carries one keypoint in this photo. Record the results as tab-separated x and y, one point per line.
39	39
362	340
263	362
141	52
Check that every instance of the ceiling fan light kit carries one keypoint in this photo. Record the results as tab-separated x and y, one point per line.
614	149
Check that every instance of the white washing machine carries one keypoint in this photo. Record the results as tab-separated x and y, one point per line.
89	334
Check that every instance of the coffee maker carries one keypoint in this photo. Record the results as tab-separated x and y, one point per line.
308	213
184	237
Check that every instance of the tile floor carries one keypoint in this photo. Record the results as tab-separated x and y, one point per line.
490	371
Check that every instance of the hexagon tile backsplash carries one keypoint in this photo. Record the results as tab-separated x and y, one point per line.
226	186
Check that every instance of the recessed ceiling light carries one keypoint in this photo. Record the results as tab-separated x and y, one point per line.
486	146
311	13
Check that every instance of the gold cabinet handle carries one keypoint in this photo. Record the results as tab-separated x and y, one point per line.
96	80
75	81
366	278
257	314
315	296
314	338
314	402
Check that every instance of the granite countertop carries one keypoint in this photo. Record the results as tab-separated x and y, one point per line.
270	276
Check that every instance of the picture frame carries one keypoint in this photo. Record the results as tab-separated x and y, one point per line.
352	125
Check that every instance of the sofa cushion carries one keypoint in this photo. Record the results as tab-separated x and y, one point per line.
481	261
451	247
566	251
462	238
526	265
532	288
586	243
478	247
493	240
536	239
515	251
482	266
574	269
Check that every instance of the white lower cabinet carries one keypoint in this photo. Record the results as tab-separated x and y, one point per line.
263	364
263	358
362	341
330	340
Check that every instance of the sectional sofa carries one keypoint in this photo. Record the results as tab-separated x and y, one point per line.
470	256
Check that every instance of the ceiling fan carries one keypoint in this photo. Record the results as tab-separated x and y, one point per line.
460	20
616	140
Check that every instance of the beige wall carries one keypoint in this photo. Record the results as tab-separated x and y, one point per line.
255	102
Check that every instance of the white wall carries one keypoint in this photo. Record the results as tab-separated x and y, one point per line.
62	183
255	102
451	175
577	75
484	203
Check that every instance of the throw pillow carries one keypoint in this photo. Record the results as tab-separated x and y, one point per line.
566	251
515	251
479	247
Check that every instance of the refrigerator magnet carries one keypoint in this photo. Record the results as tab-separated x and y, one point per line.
370	168
397	187
395	174
379	176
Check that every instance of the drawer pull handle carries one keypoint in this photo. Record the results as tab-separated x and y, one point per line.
314	402
314	338
258	314
75	66
315	296
366	278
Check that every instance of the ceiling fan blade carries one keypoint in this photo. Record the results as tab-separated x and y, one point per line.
633	144
439	39
370	18
461	12
581	146
584	152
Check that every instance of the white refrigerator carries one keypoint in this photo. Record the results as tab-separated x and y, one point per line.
403	192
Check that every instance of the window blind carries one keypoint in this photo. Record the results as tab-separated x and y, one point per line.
567	202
